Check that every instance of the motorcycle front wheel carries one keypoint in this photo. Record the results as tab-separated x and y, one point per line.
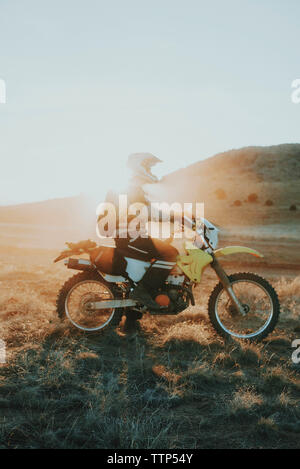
260	304
76	295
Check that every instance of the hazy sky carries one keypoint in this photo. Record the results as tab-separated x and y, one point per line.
89	82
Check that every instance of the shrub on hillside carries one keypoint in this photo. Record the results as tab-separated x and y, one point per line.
269	203
293	207
221	194
237	203
252	198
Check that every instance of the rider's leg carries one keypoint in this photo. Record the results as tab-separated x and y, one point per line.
140	249
165	259
145	249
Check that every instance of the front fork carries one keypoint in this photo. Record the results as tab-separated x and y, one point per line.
227	285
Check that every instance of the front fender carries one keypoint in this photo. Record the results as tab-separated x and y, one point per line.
236	249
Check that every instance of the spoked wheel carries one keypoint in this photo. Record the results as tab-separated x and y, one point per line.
75	298
260	304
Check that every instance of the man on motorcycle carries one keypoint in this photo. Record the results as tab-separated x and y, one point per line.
143	248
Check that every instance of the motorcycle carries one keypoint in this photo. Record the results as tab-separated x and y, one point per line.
242	305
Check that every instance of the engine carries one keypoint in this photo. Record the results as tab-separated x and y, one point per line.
175	299
175	295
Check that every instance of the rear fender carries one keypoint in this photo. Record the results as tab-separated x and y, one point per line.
79	264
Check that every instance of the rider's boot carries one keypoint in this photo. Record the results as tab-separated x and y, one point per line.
131	326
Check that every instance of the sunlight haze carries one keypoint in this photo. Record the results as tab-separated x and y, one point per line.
90	82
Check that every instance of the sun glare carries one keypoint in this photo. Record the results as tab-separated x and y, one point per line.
113	177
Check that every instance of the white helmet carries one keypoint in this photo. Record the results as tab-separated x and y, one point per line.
141	164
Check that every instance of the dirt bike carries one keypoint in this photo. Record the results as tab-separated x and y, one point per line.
242	305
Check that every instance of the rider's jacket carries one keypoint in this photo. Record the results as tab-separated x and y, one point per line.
135	194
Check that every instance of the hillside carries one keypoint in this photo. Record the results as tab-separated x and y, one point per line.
263	168
272	173
221	182
48	223
55	212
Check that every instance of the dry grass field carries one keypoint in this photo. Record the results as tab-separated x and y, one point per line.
174	385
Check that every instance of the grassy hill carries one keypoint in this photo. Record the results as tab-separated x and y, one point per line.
272	173
239	171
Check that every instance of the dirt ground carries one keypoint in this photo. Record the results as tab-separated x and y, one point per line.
176	384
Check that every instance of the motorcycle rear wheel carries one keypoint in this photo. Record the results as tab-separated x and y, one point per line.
77	292
260	302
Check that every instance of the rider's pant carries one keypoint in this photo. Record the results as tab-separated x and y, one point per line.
160	253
